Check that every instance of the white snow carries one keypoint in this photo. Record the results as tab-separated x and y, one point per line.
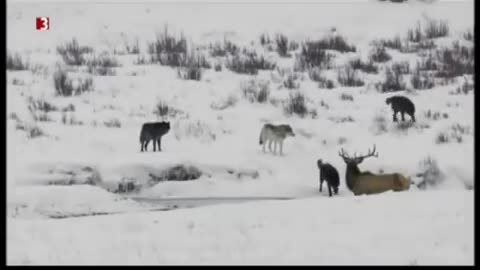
48	176
388	229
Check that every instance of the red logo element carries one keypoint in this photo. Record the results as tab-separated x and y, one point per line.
42	23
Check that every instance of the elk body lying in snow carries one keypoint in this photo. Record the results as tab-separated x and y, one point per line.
368	183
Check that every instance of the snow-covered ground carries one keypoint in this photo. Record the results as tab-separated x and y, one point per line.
391	228
49	176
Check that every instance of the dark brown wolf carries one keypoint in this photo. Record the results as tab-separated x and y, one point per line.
403	105
153	131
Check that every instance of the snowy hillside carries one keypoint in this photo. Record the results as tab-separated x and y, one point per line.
79	93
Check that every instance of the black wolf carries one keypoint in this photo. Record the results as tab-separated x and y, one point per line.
330	174
403	105
153	131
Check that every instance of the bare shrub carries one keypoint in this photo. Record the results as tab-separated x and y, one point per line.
223	49
349	77
265	39
176	173
15	62
346	97
415	34
168	49
428	63
191	69
421	35
422	80
455	61
40	109
394	44
435	115
141	60
296	104
380	123
401	67
324	104
223	104
70	119
379	54
468	35
255	90
315	75
342	119
162	109
312	55
455	133
16	81
425	45
32	130
193	129
393	81
282	45
73	53
436	28
367	67
132	48
465	88
64	85
113	123
102	65
40	105
293	45
430	173
218	67
249	63
337	43
291	82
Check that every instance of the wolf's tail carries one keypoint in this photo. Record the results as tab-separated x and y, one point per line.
261	136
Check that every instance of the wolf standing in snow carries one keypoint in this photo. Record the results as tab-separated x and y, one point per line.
276	134
403	105
153	131
330	174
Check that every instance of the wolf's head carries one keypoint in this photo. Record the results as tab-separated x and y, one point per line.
289	131
319	163
166	126
388	101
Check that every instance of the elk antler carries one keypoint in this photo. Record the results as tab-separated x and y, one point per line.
343	154
371	153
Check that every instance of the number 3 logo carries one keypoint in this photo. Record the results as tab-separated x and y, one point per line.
43	23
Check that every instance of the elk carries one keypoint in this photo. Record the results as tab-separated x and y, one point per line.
368	183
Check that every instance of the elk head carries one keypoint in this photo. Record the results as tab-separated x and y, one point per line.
356	159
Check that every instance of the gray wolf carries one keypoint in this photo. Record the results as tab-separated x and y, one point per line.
330	174
403	105
276	134
153	131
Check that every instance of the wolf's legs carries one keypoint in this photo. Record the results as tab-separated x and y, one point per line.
154	145
321	183
141	146
394	116
264	143
403	116
281	147
159	142
270	145
146	145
